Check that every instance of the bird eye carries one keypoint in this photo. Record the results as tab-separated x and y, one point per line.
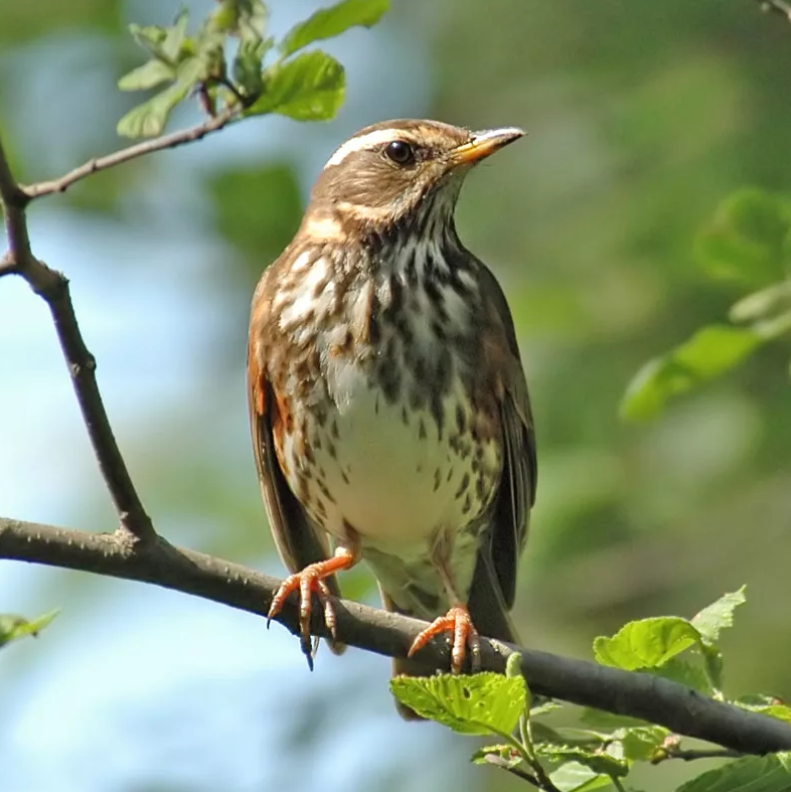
400	152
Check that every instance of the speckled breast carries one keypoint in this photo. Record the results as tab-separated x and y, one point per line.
385	434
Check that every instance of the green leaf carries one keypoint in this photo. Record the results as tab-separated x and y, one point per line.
600	783
748	239
486	703
718	616
766	705
240	17
710	622
780	711
712	351
576	777
247	66
246	19
311	87
600	762
544	707
758	774
174	37
648	643
164	44
210	53
14	627
330	22
513	668
149	75
149	37
692	675
640	744
149	119
588	739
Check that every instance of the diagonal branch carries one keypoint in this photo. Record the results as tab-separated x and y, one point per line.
53	287
680	709
173	140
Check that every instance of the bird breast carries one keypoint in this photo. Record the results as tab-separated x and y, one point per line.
390	440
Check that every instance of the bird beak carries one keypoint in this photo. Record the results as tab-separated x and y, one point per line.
483	144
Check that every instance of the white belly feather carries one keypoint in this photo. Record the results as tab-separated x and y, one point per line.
391	475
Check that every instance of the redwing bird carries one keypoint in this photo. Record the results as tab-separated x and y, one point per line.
390	414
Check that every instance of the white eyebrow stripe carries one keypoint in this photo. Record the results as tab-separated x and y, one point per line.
363	142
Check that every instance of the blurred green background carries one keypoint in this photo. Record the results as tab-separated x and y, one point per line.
641	118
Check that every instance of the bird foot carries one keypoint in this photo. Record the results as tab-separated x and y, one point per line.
310	580
458	622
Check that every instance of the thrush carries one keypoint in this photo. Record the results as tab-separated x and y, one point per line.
390	414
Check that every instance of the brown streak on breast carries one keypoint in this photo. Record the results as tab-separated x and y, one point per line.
284	412
363	323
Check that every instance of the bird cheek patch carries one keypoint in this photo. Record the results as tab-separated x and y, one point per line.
325	228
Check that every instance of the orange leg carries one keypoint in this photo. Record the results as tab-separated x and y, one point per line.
306	582
458	622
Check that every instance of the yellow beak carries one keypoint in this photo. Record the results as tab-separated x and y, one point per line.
483	144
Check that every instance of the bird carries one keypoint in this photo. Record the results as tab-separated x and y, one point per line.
390	413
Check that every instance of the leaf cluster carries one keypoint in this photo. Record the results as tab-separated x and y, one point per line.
231	64
601	754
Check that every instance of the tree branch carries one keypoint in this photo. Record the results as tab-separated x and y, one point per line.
680	709
53	287
173	140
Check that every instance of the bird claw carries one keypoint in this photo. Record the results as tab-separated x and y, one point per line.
458	622
307	582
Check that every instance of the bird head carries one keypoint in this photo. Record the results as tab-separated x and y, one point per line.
398	174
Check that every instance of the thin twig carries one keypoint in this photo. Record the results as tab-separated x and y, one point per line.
53	287
714	753
514	770
776	7
671	749
544	781
173	140
690	755
650	698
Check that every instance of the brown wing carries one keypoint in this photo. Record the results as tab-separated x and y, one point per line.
518	488
298	540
